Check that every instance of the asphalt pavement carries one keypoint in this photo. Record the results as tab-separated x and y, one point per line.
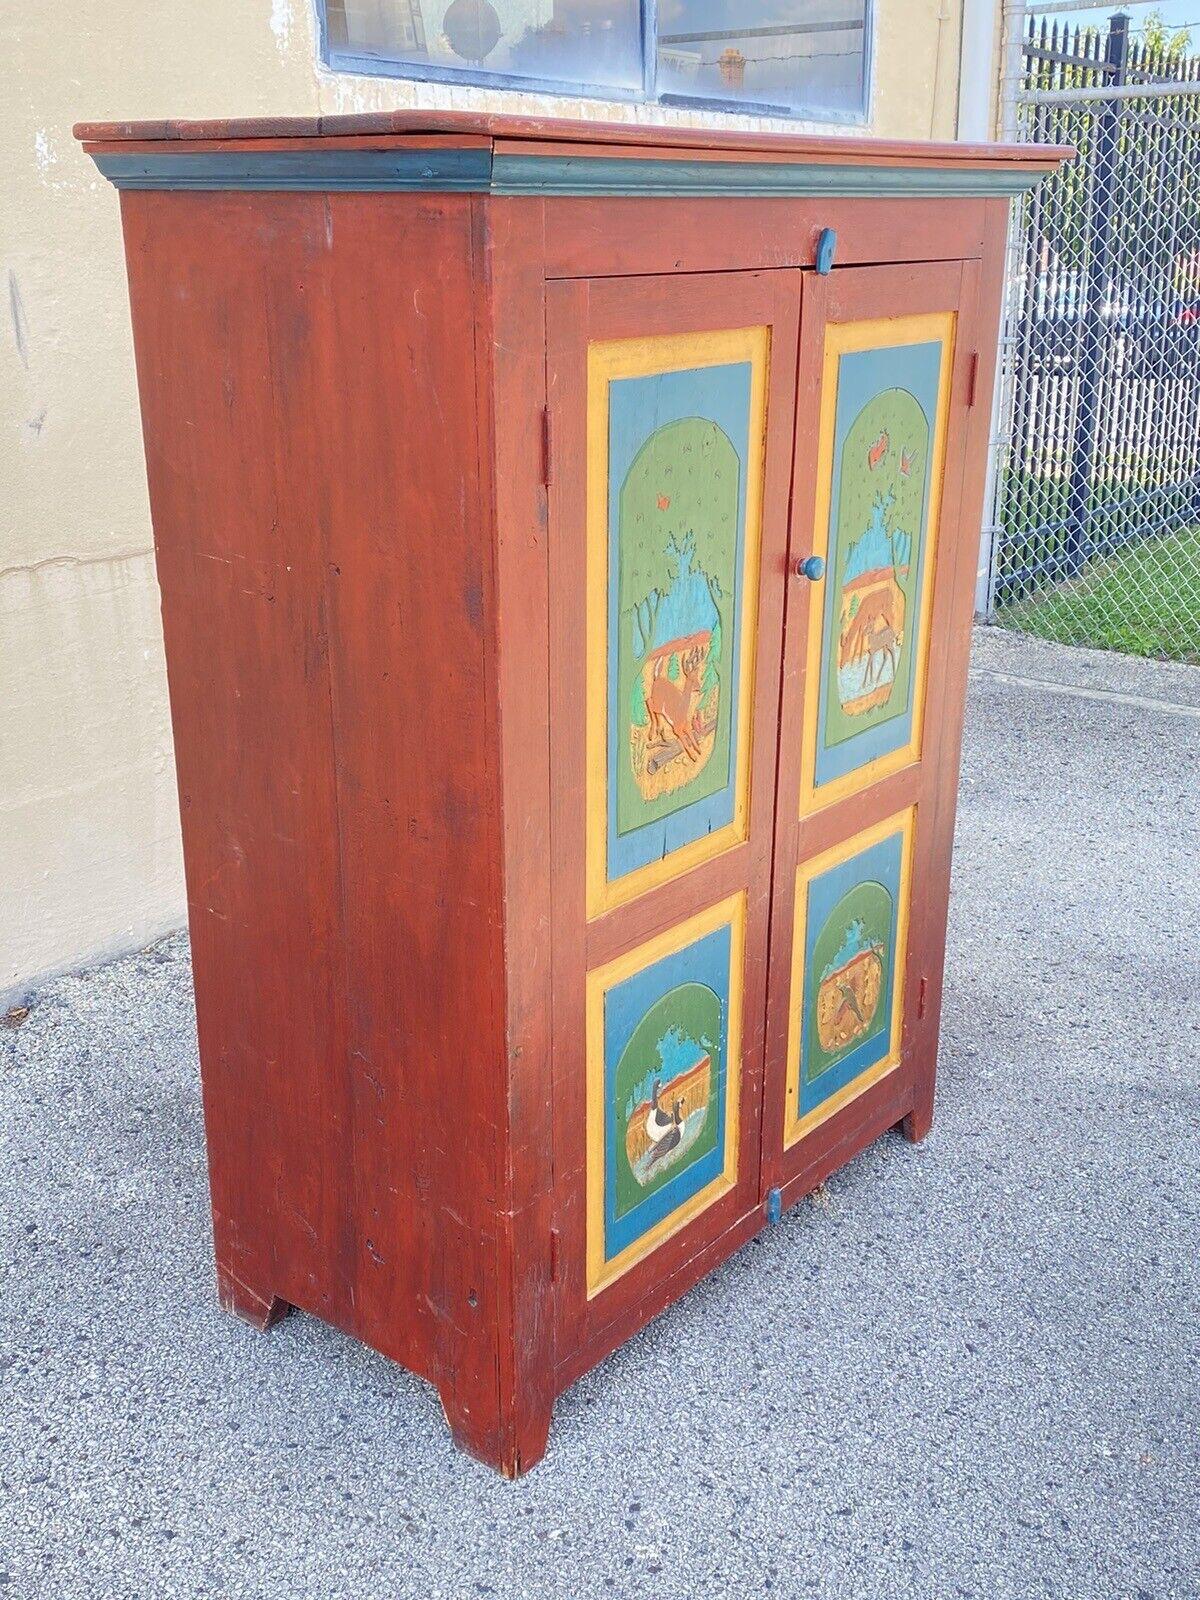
969	1369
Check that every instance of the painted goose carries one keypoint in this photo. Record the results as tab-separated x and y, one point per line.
671	1135
658	1123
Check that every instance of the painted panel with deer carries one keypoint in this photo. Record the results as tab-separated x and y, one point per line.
676	426
885	383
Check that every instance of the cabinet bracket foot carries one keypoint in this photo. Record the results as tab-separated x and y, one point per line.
261	1312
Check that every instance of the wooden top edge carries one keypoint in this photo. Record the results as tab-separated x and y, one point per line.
519	130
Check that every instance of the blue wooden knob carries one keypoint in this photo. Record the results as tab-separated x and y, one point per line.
812	568
826	245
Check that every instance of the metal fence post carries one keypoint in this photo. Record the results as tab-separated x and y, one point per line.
1098	286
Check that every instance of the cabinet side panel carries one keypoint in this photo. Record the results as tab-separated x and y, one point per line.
308	395
231	437
411	609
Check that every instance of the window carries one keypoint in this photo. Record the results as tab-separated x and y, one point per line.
770	57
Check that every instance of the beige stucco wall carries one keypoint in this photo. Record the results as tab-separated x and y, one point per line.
90	859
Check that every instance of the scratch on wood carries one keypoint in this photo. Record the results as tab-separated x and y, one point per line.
16	310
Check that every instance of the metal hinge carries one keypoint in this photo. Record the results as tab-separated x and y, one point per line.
546	446
972	377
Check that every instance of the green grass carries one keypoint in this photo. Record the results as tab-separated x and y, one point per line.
1144	601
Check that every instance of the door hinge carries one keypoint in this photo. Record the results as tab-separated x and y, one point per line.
921	998
972	377
546	442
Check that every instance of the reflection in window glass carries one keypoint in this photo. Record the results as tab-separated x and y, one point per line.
595	42
788	55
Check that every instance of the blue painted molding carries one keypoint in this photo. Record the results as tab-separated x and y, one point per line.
462	170
478	170
624	175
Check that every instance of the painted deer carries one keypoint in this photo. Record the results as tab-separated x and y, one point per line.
672	705
885	643
874	613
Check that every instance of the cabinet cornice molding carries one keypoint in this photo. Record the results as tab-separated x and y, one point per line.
480	170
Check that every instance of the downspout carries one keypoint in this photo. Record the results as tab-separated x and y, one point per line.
976	70
943	17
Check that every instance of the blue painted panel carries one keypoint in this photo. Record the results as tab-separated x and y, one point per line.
658	1025
897	382
851	917
641	411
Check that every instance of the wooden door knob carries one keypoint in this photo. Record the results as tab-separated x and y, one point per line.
811	567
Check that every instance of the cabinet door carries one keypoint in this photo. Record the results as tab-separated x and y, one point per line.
671	410
875	620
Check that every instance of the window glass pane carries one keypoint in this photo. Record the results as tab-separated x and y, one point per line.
565	41
793	55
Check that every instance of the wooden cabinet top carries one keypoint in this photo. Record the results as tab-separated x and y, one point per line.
475	153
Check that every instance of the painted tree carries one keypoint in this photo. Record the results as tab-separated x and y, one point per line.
676	554
678	510
885	461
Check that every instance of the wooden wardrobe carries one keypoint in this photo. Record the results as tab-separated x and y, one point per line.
567	538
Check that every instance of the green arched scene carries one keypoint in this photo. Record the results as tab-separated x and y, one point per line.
873	614
664	1087
676	547
847	978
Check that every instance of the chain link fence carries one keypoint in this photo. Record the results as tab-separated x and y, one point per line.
1095	525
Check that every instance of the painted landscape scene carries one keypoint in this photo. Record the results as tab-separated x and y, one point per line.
873	607
848	975
663	1118
849	991
676	700
881	500
678	517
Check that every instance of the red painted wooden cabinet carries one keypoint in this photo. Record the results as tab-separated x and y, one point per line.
567	539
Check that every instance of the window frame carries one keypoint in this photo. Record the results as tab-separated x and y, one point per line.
366	64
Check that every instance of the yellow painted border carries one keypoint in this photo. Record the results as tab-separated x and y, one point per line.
727	913
842	338
639	358
904	822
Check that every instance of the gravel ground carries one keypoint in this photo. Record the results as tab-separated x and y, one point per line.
969	1369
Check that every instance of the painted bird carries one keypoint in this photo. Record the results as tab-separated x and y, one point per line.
850	999
658	1123
669	1139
